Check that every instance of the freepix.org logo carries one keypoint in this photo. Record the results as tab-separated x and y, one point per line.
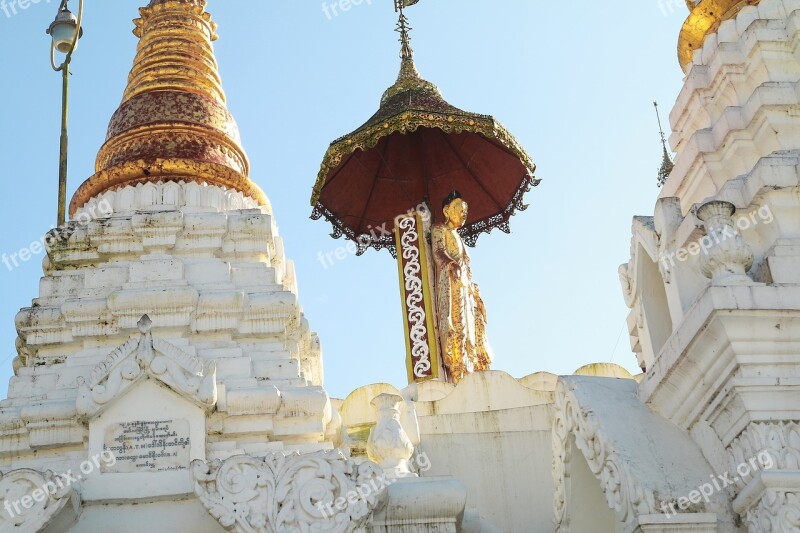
11	7
23	255
762	216
668	7
60	482
334	9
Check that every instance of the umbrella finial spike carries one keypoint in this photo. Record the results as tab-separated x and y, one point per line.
404	29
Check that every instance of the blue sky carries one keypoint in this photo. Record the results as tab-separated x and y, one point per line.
574	82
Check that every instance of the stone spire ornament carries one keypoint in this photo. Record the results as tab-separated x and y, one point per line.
388	444
173	123
666	163
729	257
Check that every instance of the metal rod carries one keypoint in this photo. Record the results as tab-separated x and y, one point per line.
62	160
660	129
403	29
77	33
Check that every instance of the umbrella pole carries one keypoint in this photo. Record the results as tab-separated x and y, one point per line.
416	273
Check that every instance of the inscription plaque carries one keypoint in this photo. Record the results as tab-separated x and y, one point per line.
148	446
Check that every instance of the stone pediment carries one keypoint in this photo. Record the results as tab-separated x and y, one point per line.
144	357
643	464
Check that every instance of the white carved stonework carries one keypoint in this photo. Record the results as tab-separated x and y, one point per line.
31	501
776	444
142	357
388	444
777	512
623	493
425	505
322	492
649	272
768	497
171	194
727	256
666	221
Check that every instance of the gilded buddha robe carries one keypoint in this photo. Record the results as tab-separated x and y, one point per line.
461	315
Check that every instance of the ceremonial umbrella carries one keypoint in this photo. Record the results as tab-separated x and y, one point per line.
413	152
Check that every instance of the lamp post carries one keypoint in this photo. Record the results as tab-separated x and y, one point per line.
65	31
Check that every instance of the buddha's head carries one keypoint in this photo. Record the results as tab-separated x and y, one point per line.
455	210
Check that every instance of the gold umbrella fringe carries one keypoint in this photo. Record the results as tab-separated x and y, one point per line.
469	233
363	242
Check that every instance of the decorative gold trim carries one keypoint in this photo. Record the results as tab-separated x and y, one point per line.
705	19
135	172
125	145
432	339
408	122
430	307
409	80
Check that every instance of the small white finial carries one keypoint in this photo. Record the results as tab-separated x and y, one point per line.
144	324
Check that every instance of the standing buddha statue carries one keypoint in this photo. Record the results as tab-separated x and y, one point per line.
461	315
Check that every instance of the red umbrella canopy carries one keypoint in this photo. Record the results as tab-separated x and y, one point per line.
414	151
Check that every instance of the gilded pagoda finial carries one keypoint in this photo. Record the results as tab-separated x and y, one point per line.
172	124
666	163
409	78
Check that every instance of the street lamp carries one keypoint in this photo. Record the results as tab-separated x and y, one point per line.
65	31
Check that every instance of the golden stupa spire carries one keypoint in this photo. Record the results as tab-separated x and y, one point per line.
172	124
704	19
